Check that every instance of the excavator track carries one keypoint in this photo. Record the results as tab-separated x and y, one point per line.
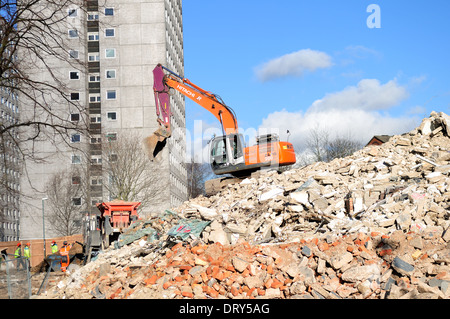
213	186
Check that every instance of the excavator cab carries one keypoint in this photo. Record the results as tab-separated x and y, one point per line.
227	151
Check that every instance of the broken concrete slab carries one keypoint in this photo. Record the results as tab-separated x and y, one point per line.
361	273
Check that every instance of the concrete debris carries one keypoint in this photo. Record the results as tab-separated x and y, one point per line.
373	225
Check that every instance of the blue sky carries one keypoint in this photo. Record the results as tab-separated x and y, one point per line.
302	64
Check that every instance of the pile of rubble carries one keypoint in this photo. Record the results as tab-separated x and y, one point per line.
403	184
371	225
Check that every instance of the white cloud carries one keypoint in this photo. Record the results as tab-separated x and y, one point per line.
417	80
418	109
352	112
361	52
293	64
360	125
368	94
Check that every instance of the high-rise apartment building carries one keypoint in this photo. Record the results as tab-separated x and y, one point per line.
114	46
9	167
9	152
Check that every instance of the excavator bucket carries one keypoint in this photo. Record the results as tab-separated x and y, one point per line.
156	142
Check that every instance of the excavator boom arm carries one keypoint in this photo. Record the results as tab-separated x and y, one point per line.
206	99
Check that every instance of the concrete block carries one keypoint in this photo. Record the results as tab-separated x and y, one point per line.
308	275
239	264
446	235
361	273
254	281
402	266
306	251
300	197
340	260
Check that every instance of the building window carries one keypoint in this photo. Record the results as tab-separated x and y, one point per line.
110	74
113	158
72	13
74	75
93	56
109	11
93	16
76	180
93	36
96	201
94	77
112	116
75	96
96	119
94	98
76	159
76	201
96	180
111	94
96	159
73	33
96	139
110	53
73	54
109	32
75	138
74	117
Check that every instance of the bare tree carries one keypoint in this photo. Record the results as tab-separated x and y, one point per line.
324	148
341	147
33	38
64	192
128	174
197	173
316	142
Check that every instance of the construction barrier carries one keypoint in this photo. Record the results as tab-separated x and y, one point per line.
15	279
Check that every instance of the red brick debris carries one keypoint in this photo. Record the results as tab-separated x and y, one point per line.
371	266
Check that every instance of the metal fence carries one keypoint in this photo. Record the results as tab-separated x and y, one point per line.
15	278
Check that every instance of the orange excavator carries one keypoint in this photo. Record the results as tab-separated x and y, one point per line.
228	155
